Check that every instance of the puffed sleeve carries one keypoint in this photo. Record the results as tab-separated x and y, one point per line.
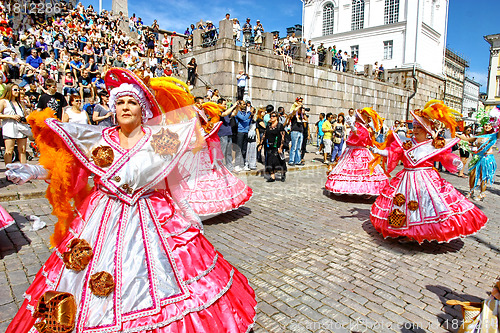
449	160
395	155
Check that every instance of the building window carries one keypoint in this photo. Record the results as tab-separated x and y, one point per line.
391	11
355	51
388	46
358	14
328	19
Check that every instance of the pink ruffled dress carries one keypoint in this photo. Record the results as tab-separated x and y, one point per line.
418	203
167	275
5	219
209	187
351	175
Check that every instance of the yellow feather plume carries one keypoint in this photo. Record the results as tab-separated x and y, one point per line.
377	119
437	110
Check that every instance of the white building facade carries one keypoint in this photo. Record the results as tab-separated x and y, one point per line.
395	33
493	71
470	102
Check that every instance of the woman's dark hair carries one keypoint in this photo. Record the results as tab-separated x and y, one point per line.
275	113
102	94
269	108
343	118
72	98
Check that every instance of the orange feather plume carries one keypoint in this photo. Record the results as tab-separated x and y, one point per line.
437	110
377	119
68	178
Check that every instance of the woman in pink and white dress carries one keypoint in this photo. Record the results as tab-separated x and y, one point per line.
134	259
352	174
418	203
209	187
5	219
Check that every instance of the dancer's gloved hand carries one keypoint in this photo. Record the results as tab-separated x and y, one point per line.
190	215
457	163
380	152
21	173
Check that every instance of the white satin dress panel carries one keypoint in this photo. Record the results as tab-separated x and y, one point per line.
123	230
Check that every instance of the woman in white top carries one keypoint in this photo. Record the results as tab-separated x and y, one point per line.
12	114
74	113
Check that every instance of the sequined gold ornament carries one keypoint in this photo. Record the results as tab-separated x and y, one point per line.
57	311
396	218
407	145
101	284
79	255
413	205
165	142
438	143
399	199
329	169
103	156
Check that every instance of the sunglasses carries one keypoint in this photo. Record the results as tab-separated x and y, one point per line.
15	89
77	100
273	116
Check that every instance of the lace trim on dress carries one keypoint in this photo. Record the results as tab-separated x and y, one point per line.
205	272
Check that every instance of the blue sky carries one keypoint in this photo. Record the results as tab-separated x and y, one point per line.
467	24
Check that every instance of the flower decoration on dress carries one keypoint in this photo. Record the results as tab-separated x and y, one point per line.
438	142
413	205
79	255
57	311
399	199
329	169
397	219
165	142
103	156
407	145
101	284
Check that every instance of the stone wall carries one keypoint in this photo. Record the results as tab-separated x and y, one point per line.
323	89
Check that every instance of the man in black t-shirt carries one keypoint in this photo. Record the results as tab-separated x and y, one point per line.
53	99
85	85
33	95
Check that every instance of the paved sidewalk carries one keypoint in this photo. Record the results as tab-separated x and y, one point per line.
314	260
36	189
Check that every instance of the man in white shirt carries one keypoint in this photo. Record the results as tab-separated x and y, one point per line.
242	81
350	118
13	67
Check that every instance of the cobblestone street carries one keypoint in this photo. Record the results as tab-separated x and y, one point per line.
314	260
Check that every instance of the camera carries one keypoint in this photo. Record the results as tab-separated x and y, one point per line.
307	109
23	120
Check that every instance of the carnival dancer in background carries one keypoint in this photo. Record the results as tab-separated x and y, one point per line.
352	174
92	281
209	187
483	166
418	203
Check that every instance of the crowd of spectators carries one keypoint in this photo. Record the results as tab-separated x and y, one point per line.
72	48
